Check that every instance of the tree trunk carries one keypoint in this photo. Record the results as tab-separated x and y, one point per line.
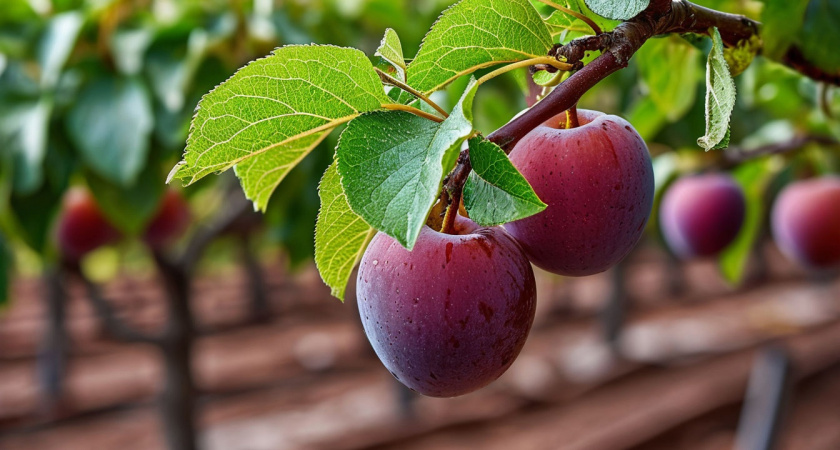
52	357
179	394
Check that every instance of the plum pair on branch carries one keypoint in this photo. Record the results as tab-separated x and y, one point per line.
618	46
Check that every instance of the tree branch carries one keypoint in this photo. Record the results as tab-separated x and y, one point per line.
736	155
115	326
237	207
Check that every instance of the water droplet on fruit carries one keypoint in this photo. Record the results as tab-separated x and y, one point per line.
375	262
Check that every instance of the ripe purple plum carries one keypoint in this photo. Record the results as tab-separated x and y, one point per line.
450	316
82	227
702	214
597	180
806	222
170	221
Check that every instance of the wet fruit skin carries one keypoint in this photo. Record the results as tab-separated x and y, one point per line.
82	227
450	316
597	180
169	222
806	222
702	214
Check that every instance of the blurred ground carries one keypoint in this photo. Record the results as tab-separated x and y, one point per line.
307	378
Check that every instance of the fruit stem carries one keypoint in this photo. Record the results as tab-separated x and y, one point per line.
572	117
451	211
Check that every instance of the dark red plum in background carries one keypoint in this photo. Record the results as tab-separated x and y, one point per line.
450	316
597	180
702	214
806	222
170	221
82	227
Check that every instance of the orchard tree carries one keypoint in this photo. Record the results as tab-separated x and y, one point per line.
446	301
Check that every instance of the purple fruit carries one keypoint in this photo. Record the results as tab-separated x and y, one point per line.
597	180
806	222
702	214
451	315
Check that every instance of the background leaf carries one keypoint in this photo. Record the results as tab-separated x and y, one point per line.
720	97
781	20
340	235
56	44
673	90
273	111
111	124
496	192
617	9
129	208
754	178
819	31
23	133
474	34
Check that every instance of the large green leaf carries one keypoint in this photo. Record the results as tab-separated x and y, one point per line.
496	192
720	97
819	31
617	9
273	111
474	34
754	178
781	20
390	49
111	124
670	67
340	235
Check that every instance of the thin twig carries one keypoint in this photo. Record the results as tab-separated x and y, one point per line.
393	81
115	326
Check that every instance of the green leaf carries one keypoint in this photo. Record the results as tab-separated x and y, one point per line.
56	45
720	96
392	163
390	49
474	34
754	177
5	271
670	67
818	31
274	111
617	9
111	124
23	134
341	236
781	20
496	192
